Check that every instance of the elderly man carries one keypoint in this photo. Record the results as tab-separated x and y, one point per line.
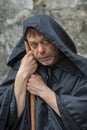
53	72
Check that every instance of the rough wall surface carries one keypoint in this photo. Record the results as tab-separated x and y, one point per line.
71	14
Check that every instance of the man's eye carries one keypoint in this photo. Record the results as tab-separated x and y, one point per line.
46	42
33	45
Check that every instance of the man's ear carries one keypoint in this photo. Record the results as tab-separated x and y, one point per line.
27	48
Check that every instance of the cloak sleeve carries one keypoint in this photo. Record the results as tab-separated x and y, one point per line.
73	108
8	108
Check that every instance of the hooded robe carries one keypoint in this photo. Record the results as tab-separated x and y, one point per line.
68	79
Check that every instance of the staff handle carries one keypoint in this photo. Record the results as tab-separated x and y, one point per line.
32	97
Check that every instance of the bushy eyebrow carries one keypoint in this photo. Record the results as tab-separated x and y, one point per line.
43	38
31	41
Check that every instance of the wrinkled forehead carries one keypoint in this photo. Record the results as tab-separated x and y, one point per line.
36	38
32	32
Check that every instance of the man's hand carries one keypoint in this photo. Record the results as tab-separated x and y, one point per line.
37	87
28	65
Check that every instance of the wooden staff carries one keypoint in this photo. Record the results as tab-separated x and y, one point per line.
32	97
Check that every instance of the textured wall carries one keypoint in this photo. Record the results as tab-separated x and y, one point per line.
71	14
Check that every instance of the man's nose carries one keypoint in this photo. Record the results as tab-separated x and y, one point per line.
41	48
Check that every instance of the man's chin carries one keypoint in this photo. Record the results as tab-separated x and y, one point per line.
48	63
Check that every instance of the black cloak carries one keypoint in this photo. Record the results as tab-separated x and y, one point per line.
68	79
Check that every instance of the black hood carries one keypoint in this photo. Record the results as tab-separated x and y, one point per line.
54	33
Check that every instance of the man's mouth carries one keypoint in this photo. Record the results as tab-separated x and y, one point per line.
44	58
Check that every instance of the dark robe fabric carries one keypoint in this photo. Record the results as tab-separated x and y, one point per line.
68	79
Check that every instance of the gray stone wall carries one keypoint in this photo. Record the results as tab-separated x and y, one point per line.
71	15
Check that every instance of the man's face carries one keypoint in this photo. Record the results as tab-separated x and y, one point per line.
44	51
